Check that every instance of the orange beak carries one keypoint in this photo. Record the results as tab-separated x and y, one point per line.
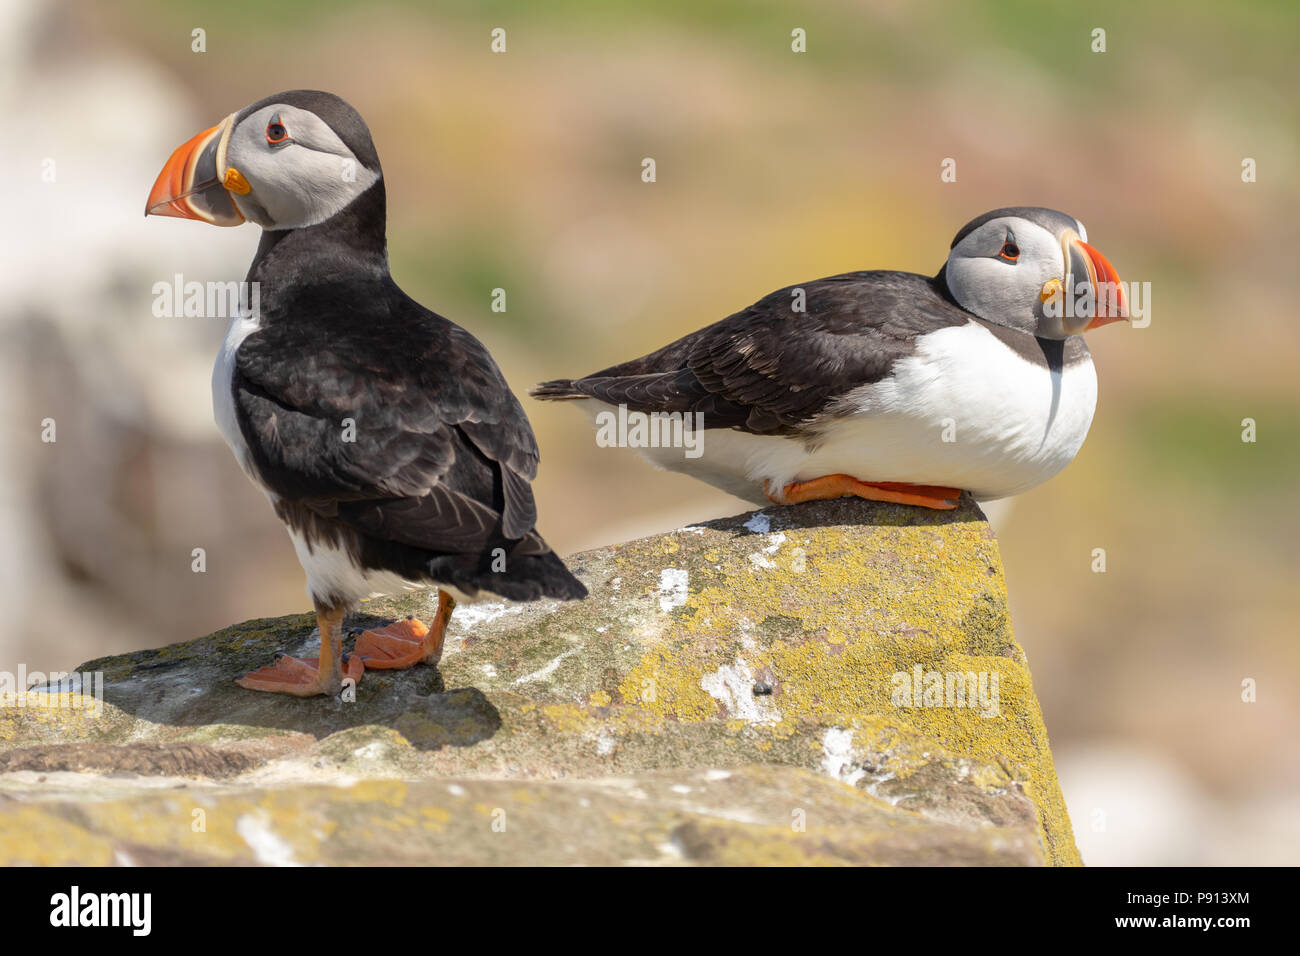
1112	306
1110	303
189	186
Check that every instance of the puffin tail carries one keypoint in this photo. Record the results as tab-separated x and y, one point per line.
557	390
526	577
551	577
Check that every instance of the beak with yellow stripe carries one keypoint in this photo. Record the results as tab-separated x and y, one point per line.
196	182
1097	287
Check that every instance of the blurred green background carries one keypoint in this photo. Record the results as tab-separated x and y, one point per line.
522	171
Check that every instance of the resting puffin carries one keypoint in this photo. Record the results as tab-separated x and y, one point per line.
890	385
384	435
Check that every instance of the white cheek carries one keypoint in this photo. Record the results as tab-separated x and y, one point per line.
253	214
984	286
1050	265
301	187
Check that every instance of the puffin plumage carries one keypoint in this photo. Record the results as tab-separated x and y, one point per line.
888	385
384	435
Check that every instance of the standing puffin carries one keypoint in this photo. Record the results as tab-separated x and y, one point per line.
384	435
890	385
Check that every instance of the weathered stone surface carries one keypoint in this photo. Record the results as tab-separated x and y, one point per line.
623	729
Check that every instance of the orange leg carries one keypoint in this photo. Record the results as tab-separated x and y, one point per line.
309	676
838	486
408	642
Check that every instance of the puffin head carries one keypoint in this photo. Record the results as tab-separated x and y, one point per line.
1016	267
289	161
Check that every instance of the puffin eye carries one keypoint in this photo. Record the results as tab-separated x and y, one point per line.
276	133
1010	251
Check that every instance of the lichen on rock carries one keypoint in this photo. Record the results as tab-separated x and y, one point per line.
729	693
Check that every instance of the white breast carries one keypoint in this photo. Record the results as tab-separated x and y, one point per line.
965	412
223	399
332	575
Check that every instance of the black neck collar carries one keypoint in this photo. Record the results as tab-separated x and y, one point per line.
353	240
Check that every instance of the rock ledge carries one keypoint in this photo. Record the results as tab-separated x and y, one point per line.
728	694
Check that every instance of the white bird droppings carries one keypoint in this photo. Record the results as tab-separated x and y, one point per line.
762	559
549	668
838	762
673	588
733	686
267	847
469	616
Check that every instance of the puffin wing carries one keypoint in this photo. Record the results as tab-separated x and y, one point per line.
773	367
426	446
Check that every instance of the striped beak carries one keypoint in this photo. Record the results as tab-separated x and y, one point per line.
1086	264
190	184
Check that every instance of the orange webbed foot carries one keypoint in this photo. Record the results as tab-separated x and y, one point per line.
407	642
839	486
301	676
